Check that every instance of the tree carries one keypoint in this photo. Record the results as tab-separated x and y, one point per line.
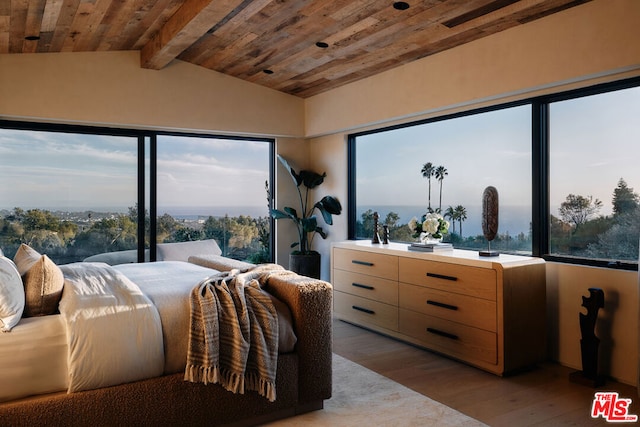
451	214
367	223
440	173
391	219
243	231
577	209
37	219
427	171
166	225
624	199
461	215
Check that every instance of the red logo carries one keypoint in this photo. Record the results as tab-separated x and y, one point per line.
612	408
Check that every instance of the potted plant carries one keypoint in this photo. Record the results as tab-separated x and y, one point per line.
303	260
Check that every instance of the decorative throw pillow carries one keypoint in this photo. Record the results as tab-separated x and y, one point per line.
43	282
220	263
11	295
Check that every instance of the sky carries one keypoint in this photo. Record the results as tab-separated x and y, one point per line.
595	141
51	170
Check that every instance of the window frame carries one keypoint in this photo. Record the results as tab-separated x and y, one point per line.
540	144
150	137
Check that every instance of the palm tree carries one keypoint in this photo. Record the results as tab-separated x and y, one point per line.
427	172
440	173
451	214
461	215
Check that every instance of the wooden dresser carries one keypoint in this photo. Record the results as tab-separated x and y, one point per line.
487	312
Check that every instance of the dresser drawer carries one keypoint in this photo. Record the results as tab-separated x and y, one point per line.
364	311
372	264
449	337
461	279
370	287
476	312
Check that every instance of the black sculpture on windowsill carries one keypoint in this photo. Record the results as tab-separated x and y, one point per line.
376	237
489	219
589	343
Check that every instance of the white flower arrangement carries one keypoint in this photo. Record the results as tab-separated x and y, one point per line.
432	224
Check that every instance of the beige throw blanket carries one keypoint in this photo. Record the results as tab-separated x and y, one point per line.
234	332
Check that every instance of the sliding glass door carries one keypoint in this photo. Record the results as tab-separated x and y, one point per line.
69	195
215	188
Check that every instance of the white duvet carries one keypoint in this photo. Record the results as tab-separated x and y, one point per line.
117	324
113	330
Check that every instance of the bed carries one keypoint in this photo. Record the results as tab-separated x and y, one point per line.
123	365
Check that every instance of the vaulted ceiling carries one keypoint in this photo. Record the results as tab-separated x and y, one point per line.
300	47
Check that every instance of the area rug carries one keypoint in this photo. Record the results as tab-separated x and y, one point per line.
362	397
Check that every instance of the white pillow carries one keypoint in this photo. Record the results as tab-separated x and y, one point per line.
11	295
181	251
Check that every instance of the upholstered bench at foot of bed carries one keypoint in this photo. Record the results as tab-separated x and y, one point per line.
162	401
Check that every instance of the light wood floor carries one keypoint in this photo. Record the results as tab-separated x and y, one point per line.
543	396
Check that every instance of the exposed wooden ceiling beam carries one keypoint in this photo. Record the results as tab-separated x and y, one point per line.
184	28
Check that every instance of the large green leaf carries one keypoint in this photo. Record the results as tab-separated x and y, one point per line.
329	206
321	232
312	179
310	224
288	214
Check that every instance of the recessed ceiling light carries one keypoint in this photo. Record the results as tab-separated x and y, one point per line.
32	38
401	5
322	45
267	71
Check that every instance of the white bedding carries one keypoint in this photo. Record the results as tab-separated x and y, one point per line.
113	330
34	358
168	285
36	355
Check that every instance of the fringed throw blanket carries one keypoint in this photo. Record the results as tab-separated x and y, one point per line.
234	332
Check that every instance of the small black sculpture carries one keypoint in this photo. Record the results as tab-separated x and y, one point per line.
376	237
589	343
489	218
385	234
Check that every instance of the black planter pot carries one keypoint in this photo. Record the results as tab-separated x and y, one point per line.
305	264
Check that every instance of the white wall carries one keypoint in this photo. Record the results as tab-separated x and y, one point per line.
110	88
588	44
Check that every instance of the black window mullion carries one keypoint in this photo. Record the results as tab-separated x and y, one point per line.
141	201
540	179
272	200
351	190
153	196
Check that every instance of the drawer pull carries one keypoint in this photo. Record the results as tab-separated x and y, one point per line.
364	310
442	333
442	276
443	305
359	285
365	263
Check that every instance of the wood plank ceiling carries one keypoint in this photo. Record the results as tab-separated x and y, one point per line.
300	47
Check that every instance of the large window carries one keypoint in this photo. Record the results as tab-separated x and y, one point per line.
69	195
466	154
594	145
215	188
565	167
74	192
